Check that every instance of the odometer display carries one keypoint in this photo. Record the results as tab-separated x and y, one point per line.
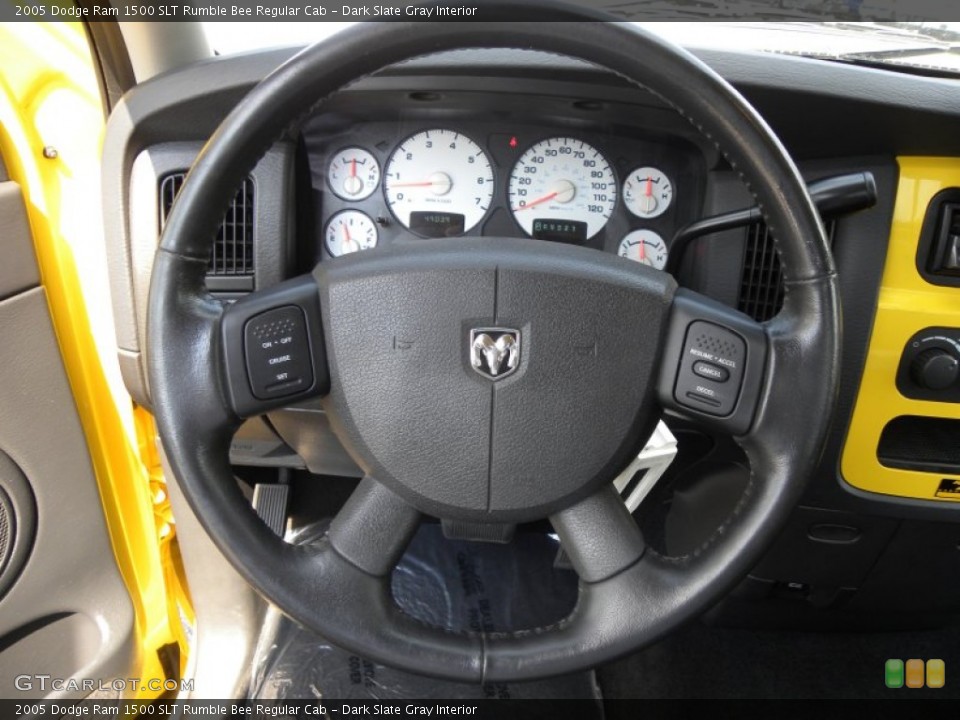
437	224
564	231
436	174
562	179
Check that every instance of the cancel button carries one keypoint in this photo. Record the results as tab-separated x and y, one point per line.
710	371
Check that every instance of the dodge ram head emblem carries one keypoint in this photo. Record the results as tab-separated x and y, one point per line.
494	352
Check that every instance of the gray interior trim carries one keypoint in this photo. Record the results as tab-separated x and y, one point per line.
307	431
156	47
18	271
21	524
228	612
72	567
58	647
273	179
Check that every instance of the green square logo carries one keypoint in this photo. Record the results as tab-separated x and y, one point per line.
893	673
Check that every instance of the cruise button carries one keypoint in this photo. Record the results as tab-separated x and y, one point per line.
711	371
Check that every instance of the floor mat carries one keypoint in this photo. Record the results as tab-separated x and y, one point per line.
452	584
713	663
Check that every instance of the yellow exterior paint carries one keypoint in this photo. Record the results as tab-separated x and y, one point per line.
907	303
49	97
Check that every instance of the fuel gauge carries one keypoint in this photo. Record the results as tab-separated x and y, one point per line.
647	192
644	246
350	231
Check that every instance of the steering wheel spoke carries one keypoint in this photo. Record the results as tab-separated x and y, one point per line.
714	360
599	535
373	528
272	347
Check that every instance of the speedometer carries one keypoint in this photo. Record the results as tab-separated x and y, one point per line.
439	183
562	189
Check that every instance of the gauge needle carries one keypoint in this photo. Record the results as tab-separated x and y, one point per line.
353	168
649	192
439	181
643	251
565	192
346	235
536	202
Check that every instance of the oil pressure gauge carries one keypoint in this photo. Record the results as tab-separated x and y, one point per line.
350	231
647	192
644	246
353	174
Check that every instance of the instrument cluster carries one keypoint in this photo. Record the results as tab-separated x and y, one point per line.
379	185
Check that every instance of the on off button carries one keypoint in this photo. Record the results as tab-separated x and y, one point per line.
277	349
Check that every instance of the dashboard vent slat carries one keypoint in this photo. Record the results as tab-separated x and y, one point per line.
761	281
232	253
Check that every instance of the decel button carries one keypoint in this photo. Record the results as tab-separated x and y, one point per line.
277	349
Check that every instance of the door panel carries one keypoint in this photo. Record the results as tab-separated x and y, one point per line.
64	609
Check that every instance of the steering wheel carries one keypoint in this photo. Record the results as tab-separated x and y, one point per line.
492	380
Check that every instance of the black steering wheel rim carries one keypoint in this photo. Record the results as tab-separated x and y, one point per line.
338	589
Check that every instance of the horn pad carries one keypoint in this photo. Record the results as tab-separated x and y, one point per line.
492	379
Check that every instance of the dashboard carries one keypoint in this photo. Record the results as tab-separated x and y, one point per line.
524	145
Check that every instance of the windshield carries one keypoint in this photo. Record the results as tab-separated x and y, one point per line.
916	45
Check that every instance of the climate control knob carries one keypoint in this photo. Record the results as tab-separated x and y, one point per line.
935	369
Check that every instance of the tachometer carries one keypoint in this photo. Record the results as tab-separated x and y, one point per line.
439	183
562	182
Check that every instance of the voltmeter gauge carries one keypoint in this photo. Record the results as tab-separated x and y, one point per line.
647	192
353	174
350	231
644	246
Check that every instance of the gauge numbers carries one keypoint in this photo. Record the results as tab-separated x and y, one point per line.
644	246
353	174
647	192
350	231
562	179
439	183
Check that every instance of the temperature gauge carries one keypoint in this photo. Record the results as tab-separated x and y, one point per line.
647	192
350	231
646	247
353	174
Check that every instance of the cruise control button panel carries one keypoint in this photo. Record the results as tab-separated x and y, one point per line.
711	369
277	350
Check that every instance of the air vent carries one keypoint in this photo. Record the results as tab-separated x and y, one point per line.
761	284
231	266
